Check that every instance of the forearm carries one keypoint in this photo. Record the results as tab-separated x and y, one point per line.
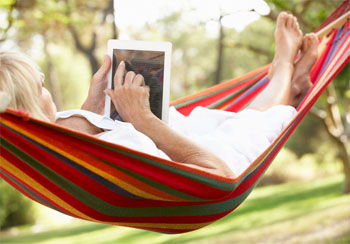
180	148
79	124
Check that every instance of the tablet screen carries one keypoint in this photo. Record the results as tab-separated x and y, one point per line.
150	64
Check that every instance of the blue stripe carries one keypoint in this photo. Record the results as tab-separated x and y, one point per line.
31	193
78	167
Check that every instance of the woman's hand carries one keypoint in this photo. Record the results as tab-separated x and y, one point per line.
95	102
130	96
131	99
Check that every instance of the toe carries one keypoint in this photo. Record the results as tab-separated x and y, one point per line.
305	44
310	41
294	23
281	19
290	21
313	38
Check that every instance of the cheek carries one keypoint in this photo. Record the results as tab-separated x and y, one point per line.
47	104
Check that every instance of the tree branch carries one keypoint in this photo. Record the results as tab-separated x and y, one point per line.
333	110
305	6
76	39
273	16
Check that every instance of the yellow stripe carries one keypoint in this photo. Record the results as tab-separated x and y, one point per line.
40	188
64	205
327	72
119	182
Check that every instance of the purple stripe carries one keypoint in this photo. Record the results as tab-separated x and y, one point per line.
256	86
31	193
111	186
332	52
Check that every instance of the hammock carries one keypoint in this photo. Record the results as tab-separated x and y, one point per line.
87	178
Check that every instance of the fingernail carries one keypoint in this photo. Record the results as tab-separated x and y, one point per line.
121	63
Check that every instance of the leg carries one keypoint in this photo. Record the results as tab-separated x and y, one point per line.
301	78
288	39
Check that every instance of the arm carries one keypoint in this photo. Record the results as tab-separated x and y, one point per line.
130	97
94	102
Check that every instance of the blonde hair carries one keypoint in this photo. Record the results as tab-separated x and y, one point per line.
19	78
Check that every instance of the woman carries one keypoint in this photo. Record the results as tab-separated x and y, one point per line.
218	142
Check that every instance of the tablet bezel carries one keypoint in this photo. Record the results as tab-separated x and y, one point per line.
143	46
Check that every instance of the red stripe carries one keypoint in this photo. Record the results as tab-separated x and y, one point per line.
74	176
35	192
186	110
318	66
168	178
79	178
99	216
236	107
48	184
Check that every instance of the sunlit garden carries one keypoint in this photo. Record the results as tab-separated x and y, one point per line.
303	196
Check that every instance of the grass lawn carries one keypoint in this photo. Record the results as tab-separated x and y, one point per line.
312	212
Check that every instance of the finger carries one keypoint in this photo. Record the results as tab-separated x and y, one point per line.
109	92
119	74
129	78
139	80
103	70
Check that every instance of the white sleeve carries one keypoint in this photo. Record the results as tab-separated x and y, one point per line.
121	133
99	121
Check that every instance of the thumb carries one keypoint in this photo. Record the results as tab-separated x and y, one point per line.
103	70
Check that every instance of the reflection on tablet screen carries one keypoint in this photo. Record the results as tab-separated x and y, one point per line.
150	64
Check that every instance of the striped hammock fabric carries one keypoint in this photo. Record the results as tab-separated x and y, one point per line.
87	178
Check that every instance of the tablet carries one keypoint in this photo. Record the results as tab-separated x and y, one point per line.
150	59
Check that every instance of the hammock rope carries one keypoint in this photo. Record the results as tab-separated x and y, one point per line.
87	178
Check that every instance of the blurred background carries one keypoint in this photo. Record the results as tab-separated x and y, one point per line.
303	198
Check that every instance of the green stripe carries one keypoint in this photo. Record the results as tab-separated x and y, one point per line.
227	98
20	185
188	102
225	186
109	209
155	184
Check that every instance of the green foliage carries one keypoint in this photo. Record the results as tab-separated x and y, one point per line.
15	208
288	213
307	137
7	3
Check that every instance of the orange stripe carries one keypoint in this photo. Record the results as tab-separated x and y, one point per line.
219	86
67	207
40	188
114	175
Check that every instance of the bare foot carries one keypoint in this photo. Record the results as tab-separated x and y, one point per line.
288	39
301	82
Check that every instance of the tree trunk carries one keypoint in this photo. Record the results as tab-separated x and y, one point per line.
93	62
336	129
220	52
344	155
52	78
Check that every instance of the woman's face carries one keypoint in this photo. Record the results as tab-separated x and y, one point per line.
47	105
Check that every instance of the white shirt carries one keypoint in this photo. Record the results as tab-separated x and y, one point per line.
237	138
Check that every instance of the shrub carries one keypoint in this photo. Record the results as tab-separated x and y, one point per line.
15	208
